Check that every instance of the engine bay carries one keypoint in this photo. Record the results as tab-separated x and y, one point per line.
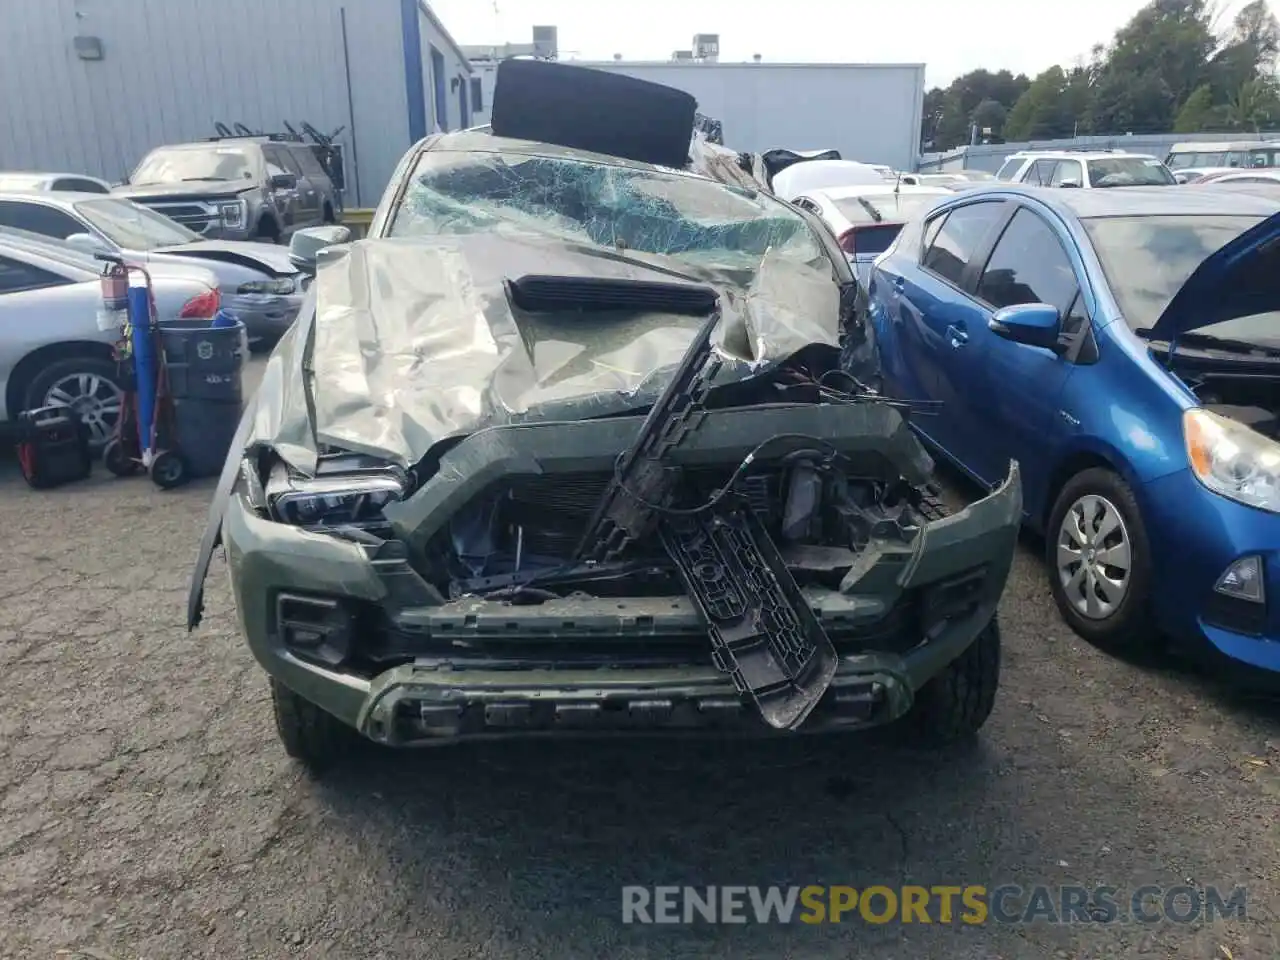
1248	398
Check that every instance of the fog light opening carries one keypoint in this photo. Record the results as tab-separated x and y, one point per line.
1243	581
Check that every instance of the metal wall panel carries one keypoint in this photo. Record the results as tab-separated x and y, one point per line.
456	67
869	112
170	68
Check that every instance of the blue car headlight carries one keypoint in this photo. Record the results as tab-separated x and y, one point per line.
1233	460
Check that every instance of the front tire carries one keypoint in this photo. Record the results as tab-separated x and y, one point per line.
310	735
955	704
1099	562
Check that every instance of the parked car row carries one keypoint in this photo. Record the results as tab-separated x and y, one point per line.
70	219
52	350
226	188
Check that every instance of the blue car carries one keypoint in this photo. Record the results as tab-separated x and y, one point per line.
1124	347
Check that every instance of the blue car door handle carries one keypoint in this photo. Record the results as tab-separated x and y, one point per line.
898	284
958	336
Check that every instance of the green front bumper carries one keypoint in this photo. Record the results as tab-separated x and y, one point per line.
445	694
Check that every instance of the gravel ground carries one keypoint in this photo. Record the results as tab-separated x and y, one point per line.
147	811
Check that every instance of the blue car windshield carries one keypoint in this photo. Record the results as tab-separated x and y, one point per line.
1147	259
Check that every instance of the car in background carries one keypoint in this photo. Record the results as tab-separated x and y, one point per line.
1196	176
800	178
237	188
1123	348
1262	177
70	182
866	218
256	281
1190	161
949	181
53	353
1085	169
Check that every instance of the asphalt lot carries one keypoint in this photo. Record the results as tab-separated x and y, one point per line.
147	811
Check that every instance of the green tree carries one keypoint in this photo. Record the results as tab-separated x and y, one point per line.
950	111
1197	114
1156	61
990	115
1044	111
1248	51
1254	105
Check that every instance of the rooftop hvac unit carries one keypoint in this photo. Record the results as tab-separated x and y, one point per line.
682	55
545	43
706	46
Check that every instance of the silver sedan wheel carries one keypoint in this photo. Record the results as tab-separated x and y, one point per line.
1095	558
93	398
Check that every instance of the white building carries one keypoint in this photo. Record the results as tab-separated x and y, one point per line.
869	112
92	85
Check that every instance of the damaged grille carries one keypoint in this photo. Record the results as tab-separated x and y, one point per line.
739	540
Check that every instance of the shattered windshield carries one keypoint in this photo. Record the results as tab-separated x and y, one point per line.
613	206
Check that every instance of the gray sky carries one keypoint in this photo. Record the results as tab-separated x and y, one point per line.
951	37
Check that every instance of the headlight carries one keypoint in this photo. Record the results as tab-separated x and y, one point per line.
342	499
1232	460
282	285
232	213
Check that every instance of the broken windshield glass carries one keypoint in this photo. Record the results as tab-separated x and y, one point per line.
619	207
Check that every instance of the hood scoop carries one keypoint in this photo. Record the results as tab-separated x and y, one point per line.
547	294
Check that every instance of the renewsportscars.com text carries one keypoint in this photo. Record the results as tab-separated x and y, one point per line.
971	904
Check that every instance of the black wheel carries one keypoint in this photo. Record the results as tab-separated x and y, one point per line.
956	703
169	470
317	739
1099	562
268	231
116	459
88	386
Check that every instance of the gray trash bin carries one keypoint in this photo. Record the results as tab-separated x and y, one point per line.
206	386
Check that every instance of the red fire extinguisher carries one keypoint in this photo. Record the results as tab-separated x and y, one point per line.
115	286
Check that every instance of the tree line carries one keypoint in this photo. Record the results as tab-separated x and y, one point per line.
1175	67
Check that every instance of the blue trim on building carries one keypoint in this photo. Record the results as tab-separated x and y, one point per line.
415	95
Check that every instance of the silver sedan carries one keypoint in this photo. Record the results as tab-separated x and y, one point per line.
53	351
256	281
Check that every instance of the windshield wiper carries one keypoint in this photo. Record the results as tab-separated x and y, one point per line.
1228	344
1193	339
876	215
204	179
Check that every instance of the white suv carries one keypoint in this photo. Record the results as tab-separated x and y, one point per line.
1079	168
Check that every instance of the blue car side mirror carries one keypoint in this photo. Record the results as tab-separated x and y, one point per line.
1034	324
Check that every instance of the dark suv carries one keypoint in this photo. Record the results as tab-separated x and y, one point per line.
238	188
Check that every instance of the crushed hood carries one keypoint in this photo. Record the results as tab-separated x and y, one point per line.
183	190
268	257
416	340
1238	280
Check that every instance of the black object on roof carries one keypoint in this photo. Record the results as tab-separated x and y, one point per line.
593	110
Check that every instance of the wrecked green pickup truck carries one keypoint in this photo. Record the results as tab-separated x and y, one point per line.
565	446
